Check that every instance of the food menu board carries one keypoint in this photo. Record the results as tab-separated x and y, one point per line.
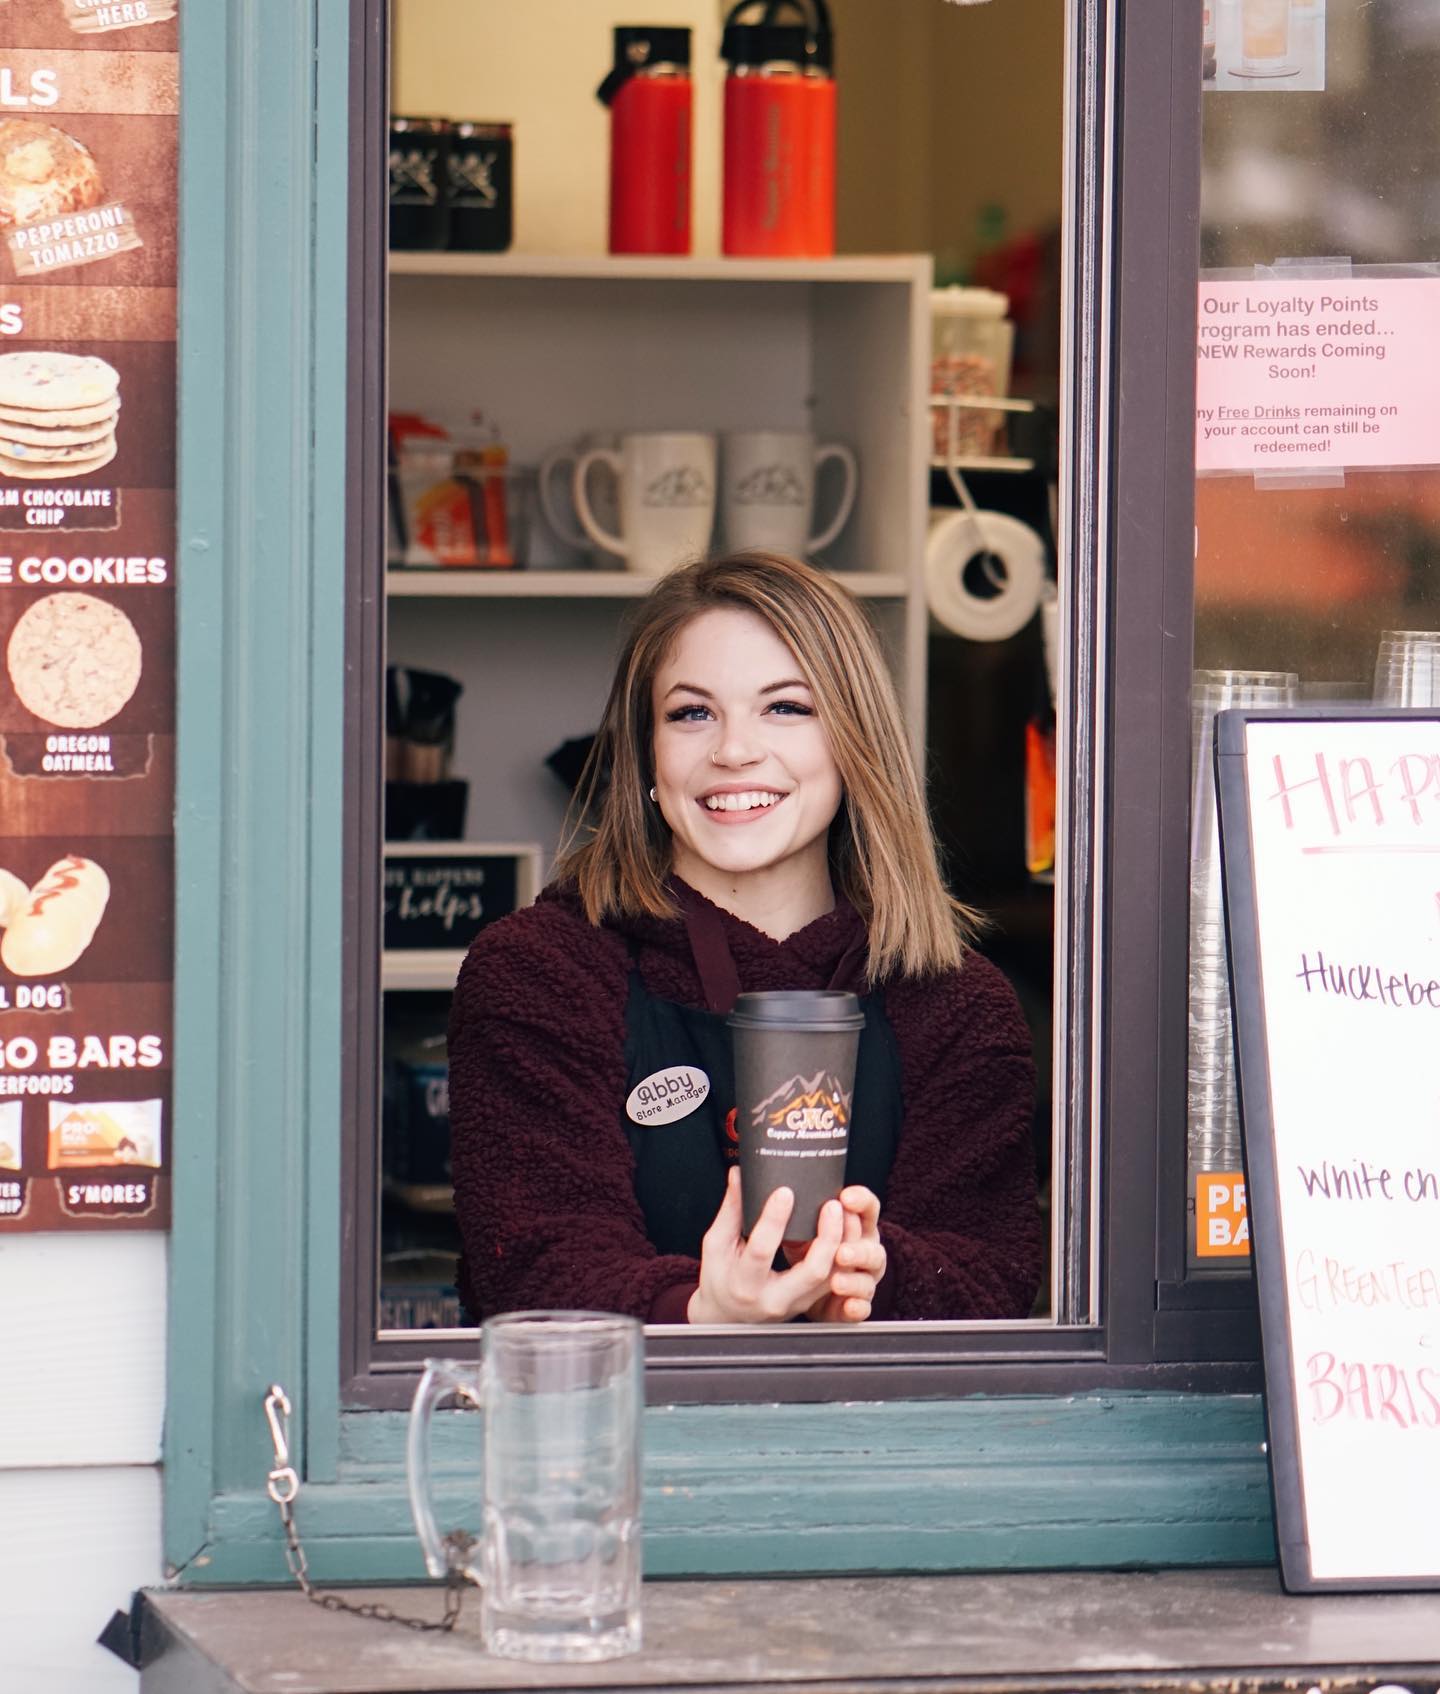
89	94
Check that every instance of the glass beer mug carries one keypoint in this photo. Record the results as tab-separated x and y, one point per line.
559	1550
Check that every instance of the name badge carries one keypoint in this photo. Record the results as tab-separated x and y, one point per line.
668	1095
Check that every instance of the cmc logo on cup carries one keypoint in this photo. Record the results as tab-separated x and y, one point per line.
815	1106
668	1095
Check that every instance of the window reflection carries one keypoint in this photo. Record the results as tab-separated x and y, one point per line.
1300	575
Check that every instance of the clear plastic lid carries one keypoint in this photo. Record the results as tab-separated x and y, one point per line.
957	302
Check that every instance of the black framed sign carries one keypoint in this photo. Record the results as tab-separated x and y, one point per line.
439	895
1330	831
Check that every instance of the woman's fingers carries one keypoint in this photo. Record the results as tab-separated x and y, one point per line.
724	1232
797	1287
769	1230
861	1203
861	1255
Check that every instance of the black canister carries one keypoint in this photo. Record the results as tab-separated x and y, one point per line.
419	194
482	199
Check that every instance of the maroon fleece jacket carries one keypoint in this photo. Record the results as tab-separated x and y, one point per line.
544	1177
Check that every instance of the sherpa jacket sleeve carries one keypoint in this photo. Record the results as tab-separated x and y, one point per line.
961	1227
544	1177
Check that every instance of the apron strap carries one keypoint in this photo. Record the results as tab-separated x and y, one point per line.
719	979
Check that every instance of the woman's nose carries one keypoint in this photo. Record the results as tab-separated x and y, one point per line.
734	749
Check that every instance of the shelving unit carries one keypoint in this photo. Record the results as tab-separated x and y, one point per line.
551	348
420	972
604	267
449	583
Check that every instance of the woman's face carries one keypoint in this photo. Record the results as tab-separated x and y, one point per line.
743	770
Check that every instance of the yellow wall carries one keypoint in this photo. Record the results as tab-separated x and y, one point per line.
537	64
944	109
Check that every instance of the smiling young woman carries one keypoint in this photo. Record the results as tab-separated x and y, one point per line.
750	819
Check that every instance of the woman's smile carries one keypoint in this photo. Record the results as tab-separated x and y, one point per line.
730	805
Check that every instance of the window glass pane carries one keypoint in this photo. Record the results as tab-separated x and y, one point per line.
1317	500
517	347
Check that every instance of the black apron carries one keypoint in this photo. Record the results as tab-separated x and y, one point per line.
682	1155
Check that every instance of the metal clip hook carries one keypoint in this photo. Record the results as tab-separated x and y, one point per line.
283	1484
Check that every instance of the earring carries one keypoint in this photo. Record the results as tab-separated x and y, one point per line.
653	795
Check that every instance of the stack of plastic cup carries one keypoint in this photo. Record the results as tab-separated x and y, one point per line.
1407	668
1213	1115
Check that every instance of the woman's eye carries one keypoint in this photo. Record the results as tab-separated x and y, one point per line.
687	714
791	708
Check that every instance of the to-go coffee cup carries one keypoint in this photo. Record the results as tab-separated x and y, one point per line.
794	1085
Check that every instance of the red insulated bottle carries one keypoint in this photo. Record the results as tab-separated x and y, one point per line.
648	92
779	188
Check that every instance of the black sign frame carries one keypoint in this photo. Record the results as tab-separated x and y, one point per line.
1257	1125
514	868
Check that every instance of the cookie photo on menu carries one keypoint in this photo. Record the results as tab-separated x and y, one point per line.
58	414
74	661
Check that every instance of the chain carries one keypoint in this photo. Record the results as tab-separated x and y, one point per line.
283	1486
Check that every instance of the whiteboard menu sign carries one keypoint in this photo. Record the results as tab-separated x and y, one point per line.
1330	827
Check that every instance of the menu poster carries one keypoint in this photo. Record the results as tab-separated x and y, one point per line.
1330	829
89	100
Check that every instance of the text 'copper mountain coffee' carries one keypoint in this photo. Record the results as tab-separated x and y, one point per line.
794	1085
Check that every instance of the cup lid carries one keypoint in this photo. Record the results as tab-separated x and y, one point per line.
826	1010
958	302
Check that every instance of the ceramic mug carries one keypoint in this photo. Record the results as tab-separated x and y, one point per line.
768	490
667	498
556	481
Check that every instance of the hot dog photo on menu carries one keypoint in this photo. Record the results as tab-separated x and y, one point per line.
95	910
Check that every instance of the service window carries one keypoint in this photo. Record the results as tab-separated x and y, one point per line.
934	398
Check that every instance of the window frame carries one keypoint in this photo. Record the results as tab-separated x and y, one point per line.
377	1372
272	985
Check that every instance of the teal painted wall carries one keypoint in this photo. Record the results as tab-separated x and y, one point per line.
257	1246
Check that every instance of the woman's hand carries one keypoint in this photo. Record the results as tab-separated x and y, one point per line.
859	1262
738	1281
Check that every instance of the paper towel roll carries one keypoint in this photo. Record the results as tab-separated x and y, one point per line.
994	604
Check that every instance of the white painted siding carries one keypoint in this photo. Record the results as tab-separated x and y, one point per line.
82	1385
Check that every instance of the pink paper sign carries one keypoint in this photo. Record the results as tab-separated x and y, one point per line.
1317	375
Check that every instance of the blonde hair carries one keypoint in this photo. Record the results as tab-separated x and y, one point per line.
617	848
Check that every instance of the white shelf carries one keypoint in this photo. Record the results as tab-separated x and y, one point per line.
457	583
975	462
421	970
601	267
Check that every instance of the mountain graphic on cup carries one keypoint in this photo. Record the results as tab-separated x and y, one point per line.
685	485
771	485
809	1106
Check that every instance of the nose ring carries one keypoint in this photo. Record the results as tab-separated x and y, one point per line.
713	759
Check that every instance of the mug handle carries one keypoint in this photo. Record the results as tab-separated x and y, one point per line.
842	455
601	537
440	1377
555	514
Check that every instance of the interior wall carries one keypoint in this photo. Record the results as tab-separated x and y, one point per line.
537	65
944	110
